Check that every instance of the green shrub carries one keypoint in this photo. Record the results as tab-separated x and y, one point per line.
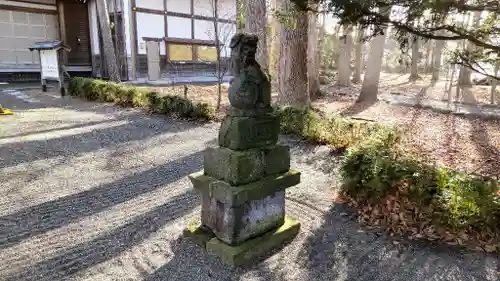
371	170
130	96
375	168
154	102
140	99
76	86
203	111
468	201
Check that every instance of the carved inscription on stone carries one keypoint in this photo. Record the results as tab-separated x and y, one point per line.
261	131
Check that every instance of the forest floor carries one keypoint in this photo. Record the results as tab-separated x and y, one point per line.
467	144
462	143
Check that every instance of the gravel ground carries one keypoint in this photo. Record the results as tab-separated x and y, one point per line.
92	192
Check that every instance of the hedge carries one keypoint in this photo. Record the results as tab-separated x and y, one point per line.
130	96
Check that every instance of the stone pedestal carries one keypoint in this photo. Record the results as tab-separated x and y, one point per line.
243	190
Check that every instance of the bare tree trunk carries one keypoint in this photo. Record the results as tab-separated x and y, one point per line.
344	76
429	55
293	59
109	50
321	36
312	55
358	60
465	72
494	83
436	63
452	76
256	23
218	49
414	59
275	44
369	89
115	35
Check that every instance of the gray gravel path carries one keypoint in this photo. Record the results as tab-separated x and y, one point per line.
92	192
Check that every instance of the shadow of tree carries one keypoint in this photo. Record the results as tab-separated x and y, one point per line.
61	128
192	262
53	214
358	107
138	127
16	104
452	137
108	245
341	250
490	154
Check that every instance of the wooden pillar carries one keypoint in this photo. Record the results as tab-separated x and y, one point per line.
133	37
62	27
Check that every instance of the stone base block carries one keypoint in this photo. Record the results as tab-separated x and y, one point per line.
237	213
236	224
198	234
253	249
240	133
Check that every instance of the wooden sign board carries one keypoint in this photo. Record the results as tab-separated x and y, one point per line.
50	64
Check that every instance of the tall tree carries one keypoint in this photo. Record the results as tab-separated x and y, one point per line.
321	36
494	82
275	41
358	56
312	56
464	77
436	60
108	46
429	55
369	89
292	59
415	57
256	22
368	14
344	66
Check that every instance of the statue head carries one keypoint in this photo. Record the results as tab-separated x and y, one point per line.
243	49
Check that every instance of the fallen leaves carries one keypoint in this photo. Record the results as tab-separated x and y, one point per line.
398	215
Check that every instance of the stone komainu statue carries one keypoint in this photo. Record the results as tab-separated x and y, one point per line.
250	90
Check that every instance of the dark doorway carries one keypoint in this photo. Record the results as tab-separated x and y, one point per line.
76	23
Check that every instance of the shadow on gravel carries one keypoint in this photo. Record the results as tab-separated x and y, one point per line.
54	214
138	127
341	250
191	262
15	104
62	128
110	244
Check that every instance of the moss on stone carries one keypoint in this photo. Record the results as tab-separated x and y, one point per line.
238	195
255	248
232	166
276	159
198	234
